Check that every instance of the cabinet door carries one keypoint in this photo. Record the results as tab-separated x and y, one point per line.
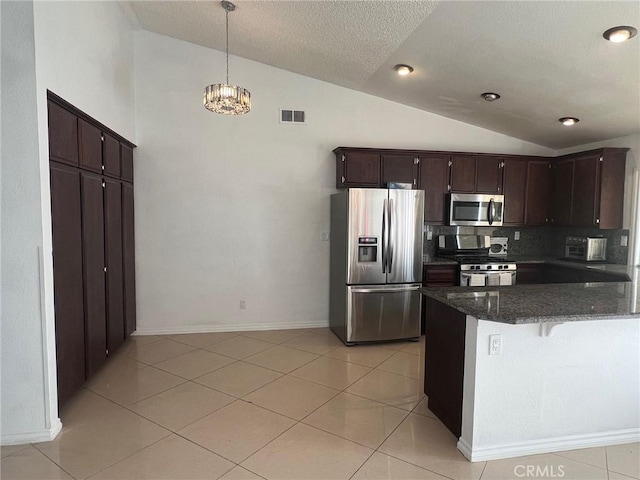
463	174
94	275
90	146
538	192
562	179
586	189
66	220
360	169
434	180
111	156
399	168
63	135
113	250
515	183
126	163
489	175
128	253
612	176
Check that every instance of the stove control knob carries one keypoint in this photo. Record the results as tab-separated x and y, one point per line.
489	267
499	267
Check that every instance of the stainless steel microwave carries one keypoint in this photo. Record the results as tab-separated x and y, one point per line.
468	209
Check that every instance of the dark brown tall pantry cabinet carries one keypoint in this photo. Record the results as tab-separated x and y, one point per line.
91	174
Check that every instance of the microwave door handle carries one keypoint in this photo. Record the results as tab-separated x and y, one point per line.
492	211
384	235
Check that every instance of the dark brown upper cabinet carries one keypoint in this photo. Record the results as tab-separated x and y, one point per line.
580	190
463	174
514	191
126	165
90	147
489	175
526	189
399	168
538	192
63	135
434	180
357	168
476	174
111	156
561	192
588	189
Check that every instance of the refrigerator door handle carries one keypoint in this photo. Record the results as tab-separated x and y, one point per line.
390	240
409	288
384	235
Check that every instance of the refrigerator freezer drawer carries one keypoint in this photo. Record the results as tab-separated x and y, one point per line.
386	312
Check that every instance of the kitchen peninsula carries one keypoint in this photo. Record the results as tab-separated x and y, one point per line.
528	369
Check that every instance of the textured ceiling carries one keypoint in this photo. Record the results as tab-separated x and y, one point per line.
546	58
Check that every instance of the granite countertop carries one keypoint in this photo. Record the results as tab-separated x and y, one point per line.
565	302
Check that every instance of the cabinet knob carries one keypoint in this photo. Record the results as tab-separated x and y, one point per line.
597	220
343	179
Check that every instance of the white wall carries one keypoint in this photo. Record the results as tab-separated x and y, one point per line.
564	391
84	53
231	208
28	412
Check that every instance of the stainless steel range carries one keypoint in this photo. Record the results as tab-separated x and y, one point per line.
477	268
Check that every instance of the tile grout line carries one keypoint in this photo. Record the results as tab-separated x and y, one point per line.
50	459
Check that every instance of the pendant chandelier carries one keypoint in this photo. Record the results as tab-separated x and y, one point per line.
222	97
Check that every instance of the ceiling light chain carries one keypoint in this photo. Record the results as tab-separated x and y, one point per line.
225	98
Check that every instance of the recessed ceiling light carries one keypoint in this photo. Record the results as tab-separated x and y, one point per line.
490	96
403	69
568	121
620	34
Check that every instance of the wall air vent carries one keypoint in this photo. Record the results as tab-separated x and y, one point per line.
297	117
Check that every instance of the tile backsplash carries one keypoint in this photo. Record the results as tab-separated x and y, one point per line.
537	241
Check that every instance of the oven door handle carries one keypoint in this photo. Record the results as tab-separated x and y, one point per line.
492	211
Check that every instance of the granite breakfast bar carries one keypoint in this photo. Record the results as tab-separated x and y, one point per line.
527	369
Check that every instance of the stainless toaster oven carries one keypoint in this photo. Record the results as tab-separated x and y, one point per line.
586	249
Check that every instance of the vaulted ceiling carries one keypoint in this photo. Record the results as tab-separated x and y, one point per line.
547	59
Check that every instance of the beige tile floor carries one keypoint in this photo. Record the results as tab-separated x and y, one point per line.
291	404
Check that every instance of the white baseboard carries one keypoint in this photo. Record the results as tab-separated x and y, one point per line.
557	444
35	436
228	328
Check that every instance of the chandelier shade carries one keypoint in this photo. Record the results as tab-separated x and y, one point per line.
227	99
224	98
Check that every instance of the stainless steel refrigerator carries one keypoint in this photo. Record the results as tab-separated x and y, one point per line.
376	264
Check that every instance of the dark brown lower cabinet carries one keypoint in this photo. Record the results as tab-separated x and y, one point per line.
67	277
128	259
94	271
444	363
113	261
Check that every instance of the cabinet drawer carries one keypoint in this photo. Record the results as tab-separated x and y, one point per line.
442	276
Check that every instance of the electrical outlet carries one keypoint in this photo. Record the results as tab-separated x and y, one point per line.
495	344
429	235
516	235
243	304
623	240
325	236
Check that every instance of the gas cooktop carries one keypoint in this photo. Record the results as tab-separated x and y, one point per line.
466	259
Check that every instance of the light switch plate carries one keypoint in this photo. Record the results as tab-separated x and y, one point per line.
624	240
516	236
